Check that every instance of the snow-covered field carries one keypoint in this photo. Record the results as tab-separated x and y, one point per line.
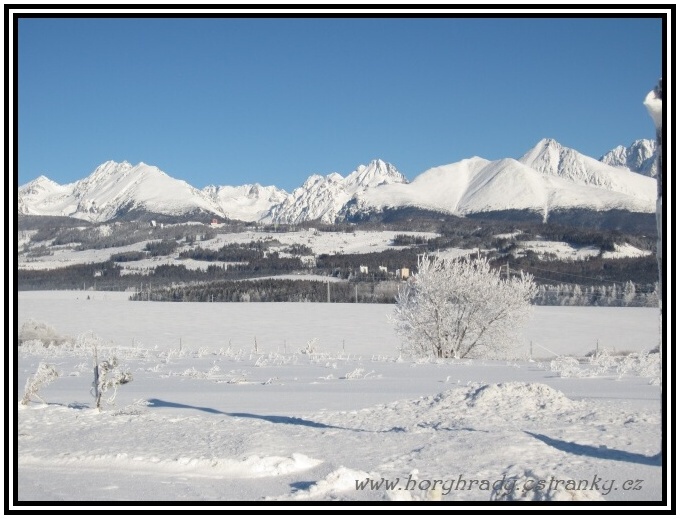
565	251
309	402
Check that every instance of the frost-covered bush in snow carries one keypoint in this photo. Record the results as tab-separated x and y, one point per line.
643	364
461	308
33	330
359	373
311	347
605	362
45	374
108	375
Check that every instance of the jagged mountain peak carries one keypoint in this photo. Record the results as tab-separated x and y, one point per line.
376	173
42	179
640	157
547	156
322	197
548	142
37	190
110	167
40	182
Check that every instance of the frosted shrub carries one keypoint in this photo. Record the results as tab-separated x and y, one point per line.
32	331
642	364
192	372
45	374
355	374
456	308
566	367
108	376
33	347
311	347
236	377
359	373
603	362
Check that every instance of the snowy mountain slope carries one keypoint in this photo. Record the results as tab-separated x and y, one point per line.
323	197
250	202
547	177
551	158
439	188
639	157
113	189
38	194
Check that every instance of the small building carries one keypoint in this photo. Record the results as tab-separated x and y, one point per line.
363	269
382	269
403	273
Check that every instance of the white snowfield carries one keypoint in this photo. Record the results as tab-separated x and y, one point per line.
255	402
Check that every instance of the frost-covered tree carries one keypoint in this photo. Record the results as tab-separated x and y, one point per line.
461	308
45	374
107	376
629	293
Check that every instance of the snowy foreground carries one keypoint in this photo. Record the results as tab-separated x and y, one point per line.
311	402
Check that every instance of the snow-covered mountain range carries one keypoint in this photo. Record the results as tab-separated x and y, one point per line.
639	157
548	177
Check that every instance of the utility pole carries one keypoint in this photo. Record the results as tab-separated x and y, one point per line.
328	289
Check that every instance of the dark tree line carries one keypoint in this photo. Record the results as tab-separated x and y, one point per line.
230	252
273	291
122	257
282	290
161	248
589	271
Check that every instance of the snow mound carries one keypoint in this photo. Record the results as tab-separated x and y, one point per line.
258	466
465	408
519	397
535	487
254	466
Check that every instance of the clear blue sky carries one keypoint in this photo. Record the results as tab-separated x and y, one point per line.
232	101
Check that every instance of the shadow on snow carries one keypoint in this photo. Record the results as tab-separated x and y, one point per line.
288	420
597	452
